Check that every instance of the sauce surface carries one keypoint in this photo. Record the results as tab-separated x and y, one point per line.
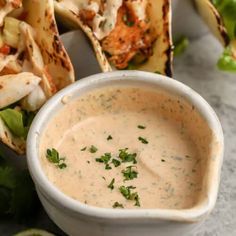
167	136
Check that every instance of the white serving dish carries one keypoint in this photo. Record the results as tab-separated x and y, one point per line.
76	218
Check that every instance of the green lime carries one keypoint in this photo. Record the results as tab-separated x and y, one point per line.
34	232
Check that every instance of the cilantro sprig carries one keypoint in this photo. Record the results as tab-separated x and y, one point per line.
105	158
125	156
115	162
129	195
129	173
53	156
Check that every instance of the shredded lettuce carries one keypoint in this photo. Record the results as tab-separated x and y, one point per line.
227	10
227	62
14	121
180	45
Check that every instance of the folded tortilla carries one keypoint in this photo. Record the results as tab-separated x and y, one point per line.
139	36
33	65
220	16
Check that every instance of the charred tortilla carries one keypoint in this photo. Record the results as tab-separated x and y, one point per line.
125	34
220	16
33	65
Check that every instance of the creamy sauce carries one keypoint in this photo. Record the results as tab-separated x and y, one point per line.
104	22
170	163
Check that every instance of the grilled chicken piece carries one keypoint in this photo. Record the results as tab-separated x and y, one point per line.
87	16
129	37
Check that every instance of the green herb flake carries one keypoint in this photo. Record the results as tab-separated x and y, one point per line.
93	149
111	184
53	156
107	167
127	157
126	192
117	205
143	140
83	149
62	165
141	127
109	137
137	200
127	21
105	158
115	162
129	173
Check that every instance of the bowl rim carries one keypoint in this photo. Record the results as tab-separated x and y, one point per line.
59	199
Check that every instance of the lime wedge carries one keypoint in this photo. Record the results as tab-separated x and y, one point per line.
34	232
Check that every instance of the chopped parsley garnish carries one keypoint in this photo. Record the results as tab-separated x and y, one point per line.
62	165
126	192
141	127
127	21
109	137
115	162
53	156
83	149
136	198
105	158
143	140
107	167
117	205
129	173
127	157
93	149
111	185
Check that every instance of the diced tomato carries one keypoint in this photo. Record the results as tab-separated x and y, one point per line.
5	49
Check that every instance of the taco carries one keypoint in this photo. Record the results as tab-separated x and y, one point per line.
33	65
125	34
220	15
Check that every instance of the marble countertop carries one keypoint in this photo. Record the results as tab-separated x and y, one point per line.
196	68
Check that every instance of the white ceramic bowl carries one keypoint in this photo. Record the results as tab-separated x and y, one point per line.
76	218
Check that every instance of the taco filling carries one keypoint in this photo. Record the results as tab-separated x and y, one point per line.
220	15
122	27
227	10
25	81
